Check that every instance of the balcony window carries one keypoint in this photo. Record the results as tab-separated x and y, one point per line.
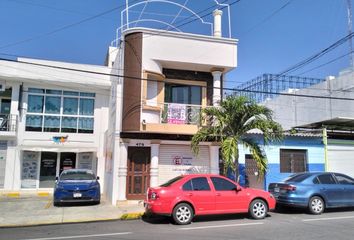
182	104
51	110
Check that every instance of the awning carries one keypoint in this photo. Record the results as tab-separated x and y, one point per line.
338	123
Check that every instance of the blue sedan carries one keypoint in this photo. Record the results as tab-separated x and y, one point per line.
77	185
315	191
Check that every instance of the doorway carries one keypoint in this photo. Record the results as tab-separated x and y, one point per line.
252	173
48	169
138	175
67	161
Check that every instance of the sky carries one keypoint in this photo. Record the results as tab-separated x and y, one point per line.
273	35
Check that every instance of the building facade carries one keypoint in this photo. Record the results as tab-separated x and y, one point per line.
53	117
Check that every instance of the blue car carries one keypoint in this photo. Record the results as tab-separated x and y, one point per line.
315	191
77	185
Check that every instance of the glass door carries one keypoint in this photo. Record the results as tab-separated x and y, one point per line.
67	161
48	169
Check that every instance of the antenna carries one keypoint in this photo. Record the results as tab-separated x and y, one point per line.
349	11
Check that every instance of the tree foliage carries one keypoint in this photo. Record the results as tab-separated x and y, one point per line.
230	125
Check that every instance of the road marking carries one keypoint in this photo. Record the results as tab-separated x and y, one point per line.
82	236
326	219
221	226
49	204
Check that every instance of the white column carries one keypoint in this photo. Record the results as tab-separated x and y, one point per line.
154	166
217	23
214	159
122	172
216	87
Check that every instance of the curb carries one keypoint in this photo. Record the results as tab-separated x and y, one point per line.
126	216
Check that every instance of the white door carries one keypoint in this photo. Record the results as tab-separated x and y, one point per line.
341	159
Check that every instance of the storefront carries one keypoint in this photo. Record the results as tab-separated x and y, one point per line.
151	164
39	169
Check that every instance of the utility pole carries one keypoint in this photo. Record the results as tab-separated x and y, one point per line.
349	11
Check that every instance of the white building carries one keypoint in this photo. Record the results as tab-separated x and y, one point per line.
52	118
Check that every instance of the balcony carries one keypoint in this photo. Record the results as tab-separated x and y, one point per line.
8	124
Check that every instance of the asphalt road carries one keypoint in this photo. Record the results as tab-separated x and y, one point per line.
279	225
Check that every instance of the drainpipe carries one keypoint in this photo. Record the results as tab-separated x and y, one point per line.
324	139
217	23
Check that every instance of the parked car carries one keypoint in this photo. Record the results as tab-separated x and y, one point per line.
315	191
186	196
77	185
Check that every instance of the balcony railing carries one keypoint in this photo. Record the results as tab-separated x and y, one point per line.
8	122
175	113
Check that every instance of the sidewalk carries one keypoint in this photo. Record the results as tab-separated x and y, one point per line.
37	209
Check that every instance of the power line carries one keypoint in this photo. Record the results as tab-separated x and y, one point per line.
267	18
153	80
63	27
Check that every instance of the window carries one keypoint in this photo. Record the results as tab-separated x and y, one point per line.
292	160
182	104
197	184
170	182
326	179
52	110
343	179
221	184
298	177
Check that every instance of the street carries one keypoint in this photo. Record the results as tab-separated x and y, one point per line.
287	224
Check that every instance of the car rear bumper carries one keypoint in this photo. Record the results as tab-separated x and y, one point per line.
155	208
292	201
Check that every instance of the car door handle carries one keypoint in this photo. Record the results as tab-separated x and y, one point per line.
218	194
190	194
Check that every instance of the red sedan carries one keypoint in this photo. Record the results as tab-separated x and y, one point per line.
186	196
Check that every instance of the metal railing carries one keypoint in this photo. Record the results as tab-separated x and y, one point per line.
8	122
175	113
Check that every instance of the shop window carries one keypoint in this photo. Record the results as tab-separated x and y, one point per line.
292	160
51	110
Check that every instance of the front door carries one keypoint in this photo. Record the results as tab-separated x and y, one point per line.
67	161
252	174
48	169
138	175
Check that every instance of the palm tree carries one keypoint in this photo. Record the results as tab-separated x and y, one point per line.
229	124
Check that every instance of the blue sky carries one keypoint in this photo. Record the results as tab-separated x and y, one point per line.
273	34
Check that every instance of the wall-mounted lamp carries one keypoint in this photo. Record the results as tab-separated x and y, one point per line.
144	122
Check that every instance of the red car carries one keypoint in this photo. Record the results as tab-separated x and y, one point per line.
186	196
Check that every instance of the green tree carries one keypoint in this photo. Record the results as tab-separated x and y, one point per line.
229	124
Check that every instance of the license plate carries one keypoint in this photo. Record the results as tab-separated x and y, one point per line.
276	189
77	195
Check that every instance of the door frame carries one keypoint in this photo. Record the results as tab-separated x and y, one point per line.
146	173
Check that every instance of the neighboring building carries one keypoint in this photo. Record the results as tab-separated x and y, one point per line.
326	106
299	152
52	118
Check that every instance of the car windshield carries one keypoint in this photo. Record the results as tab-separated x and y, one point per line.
77	175
297	177
170	182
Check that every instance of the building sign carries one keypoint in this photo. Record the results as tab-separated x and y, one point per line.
176	113
60	139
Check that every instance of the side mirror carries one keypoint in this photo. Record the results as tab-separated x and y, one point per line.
238	189
98	178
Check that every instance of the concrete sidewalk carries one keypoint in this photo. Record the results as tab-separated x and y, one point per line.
37	209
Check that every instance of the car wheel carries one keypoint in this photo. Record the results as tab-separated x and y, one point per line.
316	205
258	209
183	214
